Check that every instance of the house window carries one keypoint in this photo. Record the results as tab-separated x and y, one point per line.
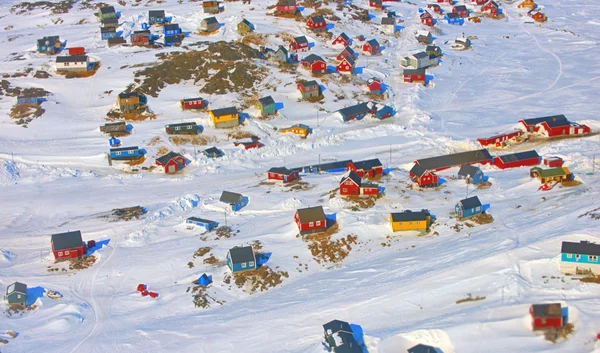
543	321
243	265
411	223
345	190
318	223
577	257
177	128
569	256
60	253
66	253
311	224
18	296
418	223
593	258
118	153
251	264
477	208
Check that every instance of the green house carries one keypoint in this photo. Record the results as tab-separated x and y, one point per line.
107	12
245	26
267	106
16	294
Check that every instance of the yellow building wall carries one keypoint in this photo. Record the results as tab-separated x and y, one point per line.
222	118
420	225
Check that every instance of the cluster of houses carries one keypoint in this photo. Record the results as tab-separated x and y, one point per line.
533	10
74	61
109	22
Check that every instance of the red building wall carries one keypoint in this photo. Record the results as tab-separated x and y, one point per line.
69	253
275	176
344	66
428	21
307	226
339	40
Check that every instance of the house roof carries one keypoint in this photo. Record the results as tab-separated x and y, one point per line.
281	170
550	172
247	23
317	19
107	29
146	32
301	39
17	287
452	15
312	58
336	326
181	124
368	164
417	170
224	111
547	310
355	109
283	49
346	343
107	9
156	13
420	55
349	51
302	126
344	36
519	156
410	216
434	48
422	348
121	149
311	83
163	160
492	2
210	20
210	3
202	220
212	150
408	71
462	39
455	159
388	21
350	60
230	197
311	214
286	3
116	40
470	203
426	14
125	95
268	100
68	240
373	43
373	80
192	99
171	26
460	8
241	254
582	248
352	176
326	166
467	170
71	58
552	121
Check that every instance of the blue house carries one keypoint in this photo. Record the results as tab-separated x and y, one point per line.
48	45
241	259
356	112
580	258
204	280
200	222
29	99
339	337
114	142
236	201
156	17
108	32
468	207
472	174
127	153
383	112
173	40
454	19
213	152
171	29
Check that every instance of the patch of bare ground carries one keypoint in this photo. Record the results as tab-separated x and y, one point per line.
333	193
590	279
80	74
224	232
469	298
324	250
259	280
140	114
59	7
483	218
495	17
201	298
23	114
298	185
16	310
6	89
237	134
138	161
125	214
202	251
593	214
154	141
211	260
256	246
553	335
83	263
484	185
195	140
358	203
377	97
18	73
255	39
41	74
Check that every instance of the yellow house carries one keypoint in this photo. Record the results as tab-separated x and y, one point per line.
527	4
411	220
128	101
298	129
224	117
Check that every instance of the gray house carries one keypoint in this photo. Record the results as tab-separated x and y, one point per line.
420	60
209	24
309	89
280	55
424	37
388	25
16	294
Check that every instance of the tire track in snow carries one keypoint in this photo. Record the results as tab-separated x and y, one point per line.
560	65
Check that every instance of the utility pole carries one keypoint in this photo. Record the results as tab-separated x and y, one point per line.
318	117
319	167
466	196
390	165
225	218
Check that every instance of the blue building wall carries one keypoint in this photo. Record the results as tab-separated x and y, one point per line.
238	267
583	259
207	226
127	154
27	100
108	35
241	204
468	212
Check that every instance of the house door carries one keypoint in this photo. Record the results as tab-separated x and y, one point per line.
171	169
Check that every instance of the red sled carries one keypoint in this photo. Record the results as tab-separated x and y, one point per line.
153	294
144	293
141	287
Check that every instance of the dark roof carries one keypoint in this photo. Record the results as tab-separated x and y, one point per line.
309	83
433	48
156	13
17	287
311	214
210	20
181	124
547	310
352	176
268	100
337	326
286	3
174	38
350	60
301	39
230	197
212	150
171	26
107	9
422	348
460	7
348	345
519	156
312	58
410	216
202	220
355	109
388	21
120	149
326	166
349	50
552	121
241	254
452	15
470	203
425	14
107	29
116	40
283	49
413	71
317	19
344	36
417	170
167	157
420	55
373	43
281	170
71	58
224	111
467	170
368	164
125	95
65	241
582	248
146	32
192	99
111	20
376	1
476	156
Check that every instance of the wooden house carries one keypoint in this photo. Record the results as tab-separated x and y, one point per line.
537	16
311	220
423	348
413	75
461	11
434	50
339	337
500	139
299	44
172	162
286	7
140	38
298	129
388	25
481	156
280	55
423	177
67	245
357	111
411	220
435	8
491	7
75	63
546	316
309	89
213	152
106	12
420	60
346	65
546	176
49	45
111	22
424	37
189	128
376	4
209	24
16	295
383	111
241	259
314	63
267	106
225	117
468	207
171	29
347	52
527	4
248	145
449	2
374	85
516	160
112	128
316	24
352	185
235	201
454	18
128	101
127	153
108	32
210	7
462	41
156	17
580	258
426	18
472	174
283	174
193	103
552	126
245	27
371	47
205	280
76	51
553	162
369	168
342	39
192	222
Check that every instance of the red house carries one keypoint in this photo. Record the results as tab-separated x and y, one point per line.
553	162
461	10
314	64
172	162
347	52
282	174
342	39
192	103
435	8
77	51
414	75
286	6
369	168
490	7
546	316
346	66
498	140
516	160
423	177
316	24
426	18
140	37
299	44
371	47
479	2
376	4
444	1
551	126
248	145
311	220
351	185
374	85
67	245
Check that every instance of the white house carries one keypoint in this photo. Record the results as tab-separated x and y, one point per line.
419	60
72	63
388	25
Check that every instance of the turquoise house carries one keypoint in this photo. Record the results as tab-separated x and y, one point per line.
241	259
472	174
579	258
16	294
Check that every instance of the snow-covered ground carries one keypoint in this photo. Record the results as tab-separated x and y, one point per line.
54	177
